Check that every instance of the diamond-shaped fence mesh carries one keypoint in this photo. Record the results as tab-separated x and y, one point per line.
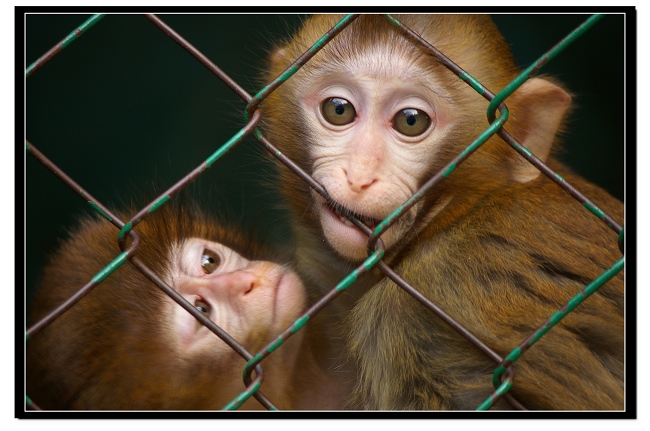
218	140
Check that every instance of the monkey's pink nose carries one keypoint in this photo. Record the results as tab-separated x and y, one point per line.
233	283
359	181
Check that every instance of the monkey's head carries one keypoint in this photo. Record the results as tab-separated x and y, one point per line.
374	115
127	345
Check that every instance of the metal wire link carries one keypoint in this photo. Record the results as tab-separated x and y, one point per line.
504	370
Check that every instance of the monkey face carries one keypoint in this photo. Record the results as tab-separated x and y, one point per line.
128	345
374	130
251	300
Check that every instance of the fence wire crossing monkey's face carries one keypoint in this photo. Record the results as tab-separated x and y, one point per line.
374	124
251	300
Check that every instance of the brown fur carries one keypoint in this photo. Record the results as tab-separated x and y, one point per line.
112	350
508	250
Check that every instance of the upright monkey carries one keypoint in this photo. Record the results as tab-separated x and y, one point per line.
127	345
499	247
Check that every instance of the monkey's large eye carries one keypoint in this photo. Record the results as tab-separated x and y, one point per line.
338	111
411	122
209	261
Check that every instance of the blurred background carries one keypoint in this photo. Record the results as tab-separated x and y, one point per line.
126	112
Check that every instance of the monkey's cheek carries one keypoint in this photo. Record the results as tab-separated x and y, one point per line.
270	309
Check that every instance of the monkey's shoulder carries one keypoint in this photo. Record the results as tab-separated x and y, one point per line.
515	234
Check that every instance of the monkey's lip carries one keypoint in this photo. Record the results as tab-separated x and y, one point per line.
289	298
342	235
340	212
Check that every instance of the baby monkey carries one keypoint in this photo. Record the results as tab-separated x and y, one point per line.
498	246
127	345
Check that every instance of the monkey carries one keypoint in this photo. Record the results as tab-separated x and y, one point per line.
496	244
126	345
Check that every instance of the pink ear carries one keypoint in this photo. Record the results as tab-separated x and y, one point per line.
539	107
277	57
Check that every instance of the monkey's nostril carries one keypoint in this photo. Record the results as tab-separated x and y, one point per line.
252	284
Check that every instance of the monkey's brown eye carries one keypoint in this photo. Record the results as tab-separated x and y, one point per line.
209	261
203	307
411	122
338	111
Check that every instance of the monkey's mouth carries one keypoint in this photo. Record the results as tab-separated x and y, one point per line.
343	213
343	235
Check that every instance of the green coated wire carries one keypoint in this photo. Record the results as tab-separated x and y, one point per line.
516	353
74	35
531	70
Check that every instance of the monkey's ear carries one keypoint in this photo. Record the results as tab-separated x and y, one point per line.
277	56
539	106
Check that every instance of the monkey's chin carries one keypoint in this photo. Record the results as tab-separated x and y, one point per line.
345	238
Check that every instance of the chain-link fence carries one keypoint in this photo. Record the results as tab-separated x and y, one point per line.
104	159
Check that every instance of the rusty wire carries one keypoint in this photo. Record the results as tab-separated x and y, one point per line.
505	372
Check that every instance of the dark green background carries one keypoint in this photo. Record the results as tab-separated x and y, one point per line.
124	110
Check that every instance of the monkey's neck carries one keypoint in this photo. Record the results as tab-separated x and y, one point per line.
316	388
296	381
